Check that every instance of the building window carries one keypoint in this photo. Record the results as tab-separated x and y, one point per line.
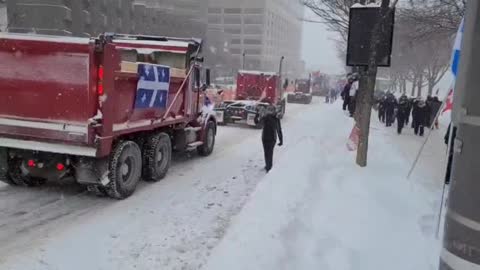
235	51
232	20
236	41
215	19
253	30
253	11
253	51
215	10
253	19
251	41
233	30
233	11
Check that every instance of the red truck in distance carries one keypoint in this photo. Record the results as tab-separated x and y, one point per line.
255	91
320	84
302	93
107	111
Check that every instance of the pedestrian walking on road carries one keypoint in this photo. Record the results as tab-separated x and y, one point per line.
421	117
390	105
402	113
381	110
410	107
272	129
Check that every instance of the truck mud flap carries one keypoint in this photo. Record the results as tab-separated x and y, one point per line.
90	171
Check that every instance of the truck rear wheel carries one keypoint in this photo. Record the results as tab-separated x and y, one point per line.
11	174
157	156
207	147
125	170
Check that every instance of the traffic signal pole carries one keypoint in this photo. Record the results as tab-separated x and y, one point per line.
461	242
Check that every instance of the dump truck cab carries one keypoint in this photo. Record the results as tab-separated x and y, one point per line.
302	92
255	91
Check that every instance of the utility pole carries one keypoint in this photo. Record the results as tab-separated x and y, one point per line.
461	242
243	60
280	72
368	77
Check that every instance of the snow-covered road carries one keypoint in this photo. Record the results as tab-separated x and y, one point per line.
172	224
315	210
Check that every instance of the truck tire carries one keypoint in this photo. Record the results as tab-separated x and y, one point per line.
19	179
125	170
157	156
207	148
10	173
4	175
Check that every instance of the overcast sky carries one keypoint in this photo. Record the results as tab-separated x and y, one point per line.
318	48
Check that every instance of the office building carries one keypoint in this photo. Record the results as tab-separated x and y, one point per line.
262	32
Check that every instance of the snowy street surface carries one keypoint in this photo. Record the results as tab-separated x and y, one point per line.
314	210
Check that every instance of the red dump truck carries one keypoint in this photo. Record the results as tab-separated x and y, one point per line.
255	91
107	111
302	93
320	84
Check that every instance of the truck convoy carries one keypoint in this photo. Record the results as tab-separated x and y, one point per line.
302	92
255	91
107	111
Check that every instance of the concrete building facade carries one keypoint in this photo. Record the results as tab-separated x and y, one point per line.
262	30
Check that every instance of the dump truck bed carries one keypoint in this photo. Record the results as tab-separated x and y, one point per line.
46	91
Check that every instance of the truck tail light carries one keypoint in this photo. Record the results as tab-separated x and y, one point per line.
100	90
31	163
60	167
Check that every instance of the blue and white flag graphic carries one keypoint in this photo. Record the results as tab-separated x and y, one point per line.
153	86
457	48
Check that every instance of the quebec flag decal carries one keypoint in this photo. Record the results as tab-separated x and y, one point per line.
153	86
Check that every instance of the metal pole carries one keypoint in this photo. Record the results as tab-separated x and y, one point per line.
243	61
280	78
461	241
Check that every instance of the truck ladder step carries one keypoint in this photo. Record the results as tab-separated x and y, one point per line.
194	129
194	145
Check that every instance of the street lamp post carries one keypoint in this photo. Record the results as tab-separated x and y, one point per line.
461	242
280	72
243	60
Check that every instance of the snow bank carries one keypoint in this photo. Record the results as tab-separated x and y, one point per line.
317	210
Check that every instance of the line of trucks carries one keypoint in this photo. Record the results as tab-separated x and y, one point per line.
112	110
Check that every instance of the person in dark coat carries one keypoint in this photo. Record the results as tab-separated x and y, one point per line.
402	113
414	110
434	105
390	105
381	110
409	112
448	174
421	117
346	94
272	129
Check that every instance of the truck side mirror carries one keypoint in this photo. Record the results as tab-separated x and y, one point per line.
196	75
207	77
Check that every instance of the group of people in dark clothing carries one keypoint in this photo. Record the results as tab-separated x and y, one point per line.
424	113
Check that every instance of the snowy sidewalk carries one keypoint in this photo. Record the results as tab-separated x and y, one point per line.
317	210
